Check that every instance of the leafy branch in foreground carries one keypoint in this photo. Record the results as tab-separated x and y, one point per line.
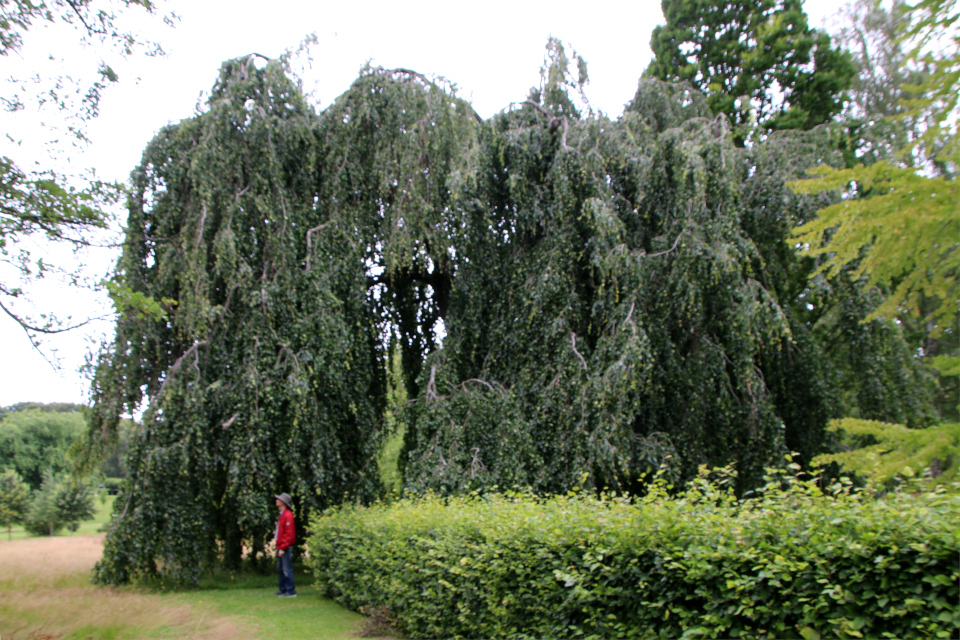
905	236
98	23
42	204
900	226
39	206
884	452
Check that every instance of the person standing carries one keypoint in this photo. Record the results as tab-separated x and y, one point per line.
285	536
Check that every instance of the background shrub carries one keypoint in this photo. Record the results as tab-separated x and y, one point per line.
792	561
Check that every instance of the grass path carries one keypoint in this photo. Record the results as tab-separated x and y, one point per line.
45	594
306	616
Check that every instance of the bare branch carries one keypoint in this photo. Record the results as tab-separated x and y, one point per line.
573	339
432	384
176	365
537	107
408	72
478	380
73	4
310	233
26	326
644	254
476	465
200	225
629	313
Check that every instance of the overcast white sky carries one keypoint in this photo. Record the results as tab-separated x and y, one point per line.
492	50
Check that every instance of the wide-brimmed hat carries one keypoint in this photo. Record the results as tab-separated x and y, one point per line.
285	499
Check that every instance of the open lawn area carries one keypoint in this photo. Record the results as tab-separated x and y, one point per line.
45	593
104	508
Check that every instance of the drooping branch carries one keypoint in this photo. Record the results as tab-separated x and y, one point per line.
310	233
193	350
573	341
26	326
643	254
432	384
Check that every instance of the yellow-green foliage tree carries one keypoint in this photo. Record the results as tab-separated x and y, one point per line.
898	225
883	452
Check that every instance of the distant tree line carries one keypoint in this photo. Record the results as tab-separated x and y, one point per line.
38	486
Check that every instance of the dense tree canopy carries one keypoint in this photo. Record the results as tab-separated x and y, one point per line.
612	297
897	228
35	438
757	62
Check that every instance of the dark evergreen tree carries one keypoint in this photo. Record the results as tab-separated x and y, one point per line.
757	62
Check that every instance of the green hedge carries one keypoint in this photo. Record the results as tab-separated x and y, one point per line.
792	562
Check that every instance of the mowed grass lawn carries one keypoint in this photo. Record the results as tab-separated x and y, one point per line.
45	594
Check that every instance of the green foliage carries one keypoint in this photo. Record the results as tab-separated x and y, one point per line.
897	228
389	459
615	296
948	371
129	302
14	499
880	124
113	485
890	453
45	203
61	502
935	45
55	407
42	518
33	441
265	375
757	62
114	465
625	296
875	372
790	562
897	224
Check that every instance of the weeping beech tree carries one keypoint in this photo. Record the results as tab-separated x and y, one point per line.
613	297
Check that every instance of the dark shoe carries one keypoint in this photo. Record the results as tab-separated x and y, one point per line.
289	595
279	593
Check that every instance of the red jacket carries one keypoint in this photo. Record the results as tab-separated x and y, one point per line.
286	531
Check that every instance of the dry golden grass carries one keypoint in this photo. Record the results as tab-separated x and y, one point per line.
45	592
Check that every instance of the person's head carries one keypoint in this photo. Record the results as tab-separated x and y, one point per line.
283	501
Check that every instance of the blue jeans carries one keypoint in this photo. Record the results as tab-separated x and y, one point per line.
285	571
